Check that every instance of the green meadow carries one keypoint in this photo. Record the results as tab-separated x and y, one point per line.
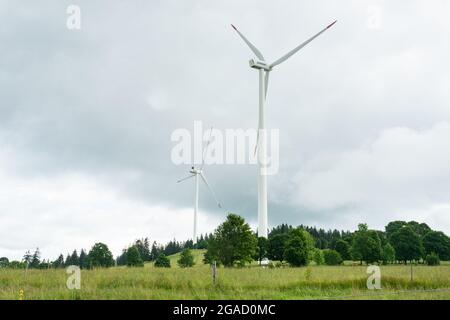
254	282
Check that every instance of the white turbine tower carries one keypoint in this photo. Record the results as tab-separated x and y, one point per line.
196	173
264	70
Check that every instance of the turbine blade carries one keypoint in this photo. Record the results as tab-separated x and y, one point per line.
188	177
210	189
294	51
250	45
206	148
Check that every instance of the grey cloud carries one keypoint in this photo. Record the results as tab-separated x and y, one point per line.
103	101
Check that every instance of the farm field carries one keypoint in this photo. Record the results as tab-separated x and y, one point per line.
313	282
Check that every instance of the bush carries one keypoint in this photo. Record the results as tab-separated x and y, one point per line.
332	257
318	257
186	259
4	262
162	261
134	258
433	259
297	248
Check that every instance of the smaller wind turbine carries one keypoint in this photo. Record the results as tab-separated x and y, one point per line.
196	173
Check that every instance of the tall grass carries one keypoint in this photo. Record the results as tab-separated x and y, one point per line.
313	282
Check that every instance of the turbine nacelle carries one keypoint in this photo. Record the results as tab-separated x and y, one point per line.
195	171
259	65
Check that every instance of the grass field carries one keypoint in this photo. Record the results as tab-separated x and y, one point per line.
314	282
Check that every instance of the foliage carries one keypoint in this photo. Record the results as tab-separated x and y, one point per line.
388	254
35	259
343	247
186	259
143	247
59	263
162	261
4	262
100	256
72	260
407	244
366	245
134	257
432	259
437	242
261	249
318	257
332	257
276	246
233	242
421	229
298	247
83	260
17	265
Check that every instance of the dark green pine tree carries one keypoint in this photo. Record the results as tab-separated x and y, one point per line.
147	254
68	261
154	253
83	260
35	259
134	258
27	258
74	260
59	263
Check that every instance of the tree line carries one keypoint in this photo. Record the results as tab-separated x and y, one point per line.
100	256
233	243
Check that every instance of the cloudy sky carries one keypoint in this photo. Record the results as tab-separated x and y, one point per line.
86	116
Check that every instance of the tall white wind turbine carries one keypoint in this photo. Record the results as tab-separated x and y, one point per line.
198	173
264	70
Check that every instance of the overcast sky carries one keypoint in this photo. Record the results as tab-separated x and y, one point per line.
86	116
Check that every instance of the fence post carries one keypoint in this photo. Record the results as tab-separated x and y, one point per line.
214	271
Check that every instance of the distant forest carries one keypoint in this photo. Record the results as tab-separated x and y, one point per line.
399	242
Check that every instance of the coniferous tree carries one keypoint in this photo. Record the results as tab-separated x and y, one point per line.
27	258
83	260
35	259
74	260
186	259
59	263
162	261
68	261
133	257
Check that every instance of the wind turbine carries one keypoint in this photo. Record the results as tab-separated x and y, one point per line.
198	173
261	143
